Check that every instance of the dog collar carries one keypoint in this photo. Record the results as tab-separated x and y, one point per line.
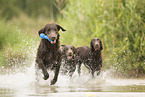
43	36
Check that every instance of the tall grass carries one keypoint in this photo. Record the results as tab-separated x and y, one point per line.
120	26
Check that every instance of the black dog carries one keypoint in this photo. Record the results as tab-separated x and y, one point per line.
91	57
48	54
68	59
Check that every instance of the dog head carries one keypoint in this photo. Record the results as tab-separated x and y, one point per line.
96	44
52	31
68	51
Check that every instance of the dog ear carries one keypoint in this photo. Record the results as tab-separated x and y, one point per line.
62	49
62	45
101	46
59	27
91	46
75	50
41	31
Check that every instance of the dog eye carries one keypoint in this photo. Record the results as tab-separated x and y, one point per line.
66	49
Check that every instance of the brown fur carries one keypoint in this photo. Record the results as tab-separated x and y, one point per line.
68	59
48	53
91	57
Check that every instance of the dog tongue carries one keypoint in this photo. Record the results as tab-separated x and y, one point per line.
52	42
69	57
96	49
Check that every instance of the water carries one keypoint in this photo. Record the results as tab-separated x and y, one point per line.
23	84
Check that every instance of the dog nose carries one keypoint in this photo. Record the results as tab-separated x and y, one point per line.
97	44
70	53
53	37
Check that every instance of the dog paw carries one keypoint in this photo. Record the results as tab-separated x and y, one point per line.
46	77
53	82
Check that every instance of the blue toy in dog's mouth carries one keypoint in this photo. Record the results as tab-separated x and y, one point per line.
43	36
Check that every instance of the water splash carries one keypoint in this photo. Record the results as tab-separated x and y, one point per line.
19	79
23	84
27	78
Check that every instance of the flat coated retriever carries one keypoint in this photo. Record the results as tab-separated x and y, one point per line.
48	53
91	57
68	59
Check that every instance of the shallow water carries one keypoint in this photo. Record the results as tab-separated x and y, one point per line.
23	84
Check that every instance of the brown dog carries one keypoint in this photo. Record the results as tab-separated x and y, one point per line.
91	57
68	59
48	53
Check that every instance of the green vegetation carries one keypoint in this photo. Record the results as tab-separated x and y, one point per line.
15	46
120	24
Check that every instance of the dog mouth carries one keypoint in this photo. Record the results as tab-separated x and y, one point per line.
69	56
96	48
53	41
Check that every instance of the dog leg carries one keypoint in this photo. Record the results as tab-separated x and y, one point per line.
98	73
44	70
71	72
79	69
56	75
92	72
45	73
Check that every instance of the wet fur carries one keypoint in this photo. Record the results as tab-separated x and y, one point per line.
48	54
91	58
68	65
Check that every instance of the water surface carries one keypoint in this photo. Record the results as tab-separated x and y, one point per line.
23	84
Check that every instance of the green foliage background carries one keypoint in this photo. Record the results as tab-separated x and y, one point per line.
120	24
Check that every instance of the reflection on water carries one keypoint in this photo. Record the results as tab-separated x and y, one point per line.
24	85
